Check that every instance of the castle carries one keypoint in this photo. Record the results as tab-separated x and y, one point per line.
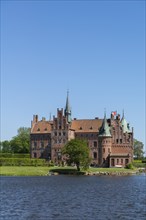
110	140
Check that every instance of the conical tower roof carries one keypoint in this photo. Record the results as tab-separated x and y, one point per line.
124	124
104	130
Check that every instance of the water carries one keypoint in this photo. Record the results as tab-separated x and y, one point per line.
73	198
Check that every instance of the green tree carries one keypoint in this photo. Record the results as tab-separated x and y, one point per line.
77	152
21	142
138	149
5	146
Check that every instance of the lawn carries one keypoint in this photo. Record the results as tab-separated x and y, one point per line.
42	171
23	171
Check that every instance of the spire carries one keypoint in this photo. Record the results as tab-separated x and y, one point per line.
124	124
67	110
104	129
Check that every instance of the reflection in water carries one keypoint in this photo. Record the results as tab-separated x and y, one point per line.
73	198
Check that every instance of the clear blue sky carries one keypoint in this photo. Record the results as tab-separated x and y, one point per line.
96	49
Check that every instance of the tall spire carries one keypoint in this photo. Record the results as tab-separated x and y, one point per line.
67	110
105	130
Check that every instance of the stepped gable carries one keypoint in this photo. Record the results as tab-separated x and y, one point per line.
41	127
86	125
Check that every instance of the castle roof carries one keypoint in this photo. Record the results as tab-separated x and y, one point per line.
105	130
86	125
41	127
124	125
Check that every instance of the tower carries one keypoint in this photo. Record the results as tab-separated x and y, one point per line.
67	111
104	143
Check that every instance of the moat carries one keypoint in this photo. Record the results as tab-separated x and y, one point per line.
73	198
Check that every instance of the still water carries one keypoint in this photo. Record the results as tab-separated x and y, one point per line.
73	198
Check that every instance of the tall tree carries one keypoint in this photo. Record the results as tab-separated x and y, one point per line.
77	152
5	146
21	142
138	149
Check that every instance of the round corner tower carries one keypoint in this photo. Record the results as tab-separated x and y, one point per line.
104	143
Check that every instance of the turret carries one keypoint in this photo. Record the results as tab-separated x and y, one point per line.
125	126
104	143
67	110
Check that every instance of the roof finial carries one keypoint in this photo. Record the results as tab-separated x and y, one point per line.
123	113
104	112
50	116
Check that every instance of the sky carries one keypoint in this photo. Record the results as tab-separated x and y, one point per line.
94	49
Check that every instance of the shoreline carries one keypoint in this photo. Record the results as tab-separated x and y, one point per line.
50	171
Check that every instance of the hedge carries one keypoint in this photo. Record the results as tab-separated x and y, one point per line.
23	162
10	155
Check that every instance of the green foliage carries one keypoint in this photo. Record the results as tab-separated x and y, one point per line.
21	142
138	149
5	146
129	166
139	164
23	162
77	152
10	155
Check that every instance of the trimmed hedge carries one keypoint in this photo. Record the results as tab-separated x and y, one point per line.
139	165
23	162
10	155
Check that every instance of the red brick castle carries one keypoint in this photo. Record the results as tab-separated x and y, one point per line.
110	140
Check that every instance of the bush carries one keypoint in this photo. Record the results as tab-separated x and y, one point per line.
22	162
10	155
139	165
129	166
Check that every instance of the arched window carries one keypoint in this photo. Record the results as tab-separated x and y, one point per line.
95	155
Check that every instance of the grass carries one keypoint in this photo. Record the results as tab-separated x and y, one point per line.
42	171
23	171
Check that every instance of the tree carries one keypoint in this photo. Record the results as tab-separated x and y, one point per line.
77	152
138	149
21	142
5	146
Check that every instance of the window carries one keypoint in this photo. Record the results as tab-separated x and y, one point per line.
55	133
120	141
59	133
42	144
121	161
63	133
117	161
117	141
112	162
95	143
95	155
35	155
103	150
126	161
